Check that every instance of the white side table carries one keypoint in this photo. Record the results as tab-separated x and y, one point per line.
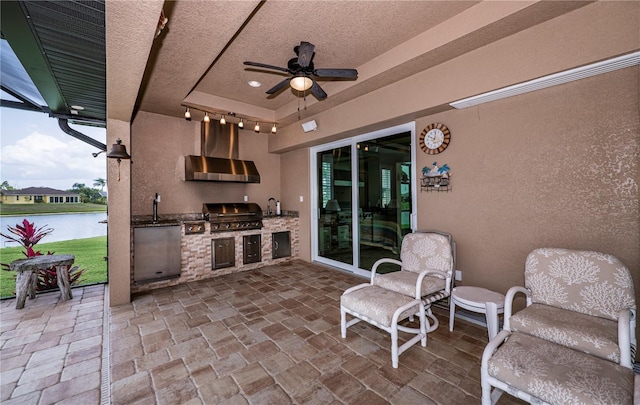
478	300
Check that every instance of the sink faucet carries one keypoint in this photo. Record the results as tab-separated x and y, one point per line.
269	211
156	200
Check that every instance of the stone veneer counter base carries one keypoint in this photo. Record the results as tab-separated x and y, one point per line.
196	252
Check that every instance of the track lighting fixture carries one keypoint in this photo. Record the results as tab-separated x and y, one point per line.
234	119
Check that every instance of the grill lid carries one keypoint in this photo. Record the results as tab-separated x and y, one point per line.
232	210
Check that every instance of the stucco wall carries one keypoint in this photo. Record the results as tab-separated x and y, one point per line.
118	233
296	183
158	146
557	167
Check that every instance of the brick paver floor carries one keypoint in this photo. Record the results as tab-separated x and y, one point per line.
272	336
267	336
51	350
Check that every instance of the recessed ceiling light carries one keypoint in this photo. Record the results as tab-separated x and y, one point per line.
254	83
77	107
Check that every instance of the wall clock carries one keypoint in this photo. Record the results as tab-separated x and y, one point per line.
434	138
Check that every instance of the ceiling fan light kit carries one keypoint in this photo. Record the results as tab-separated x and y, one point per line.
303	74
301	83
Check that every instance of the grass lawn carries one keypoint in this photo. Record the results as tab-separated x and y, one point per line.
89	255
30	209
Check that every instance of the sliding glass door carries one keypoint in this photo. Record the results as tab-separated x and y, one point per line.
364	198
334	202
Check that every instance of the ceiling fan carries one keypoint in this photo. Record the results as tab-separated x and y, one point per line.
303	73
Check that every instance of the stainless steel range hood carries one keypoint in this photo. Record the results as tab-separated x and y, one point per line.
218	160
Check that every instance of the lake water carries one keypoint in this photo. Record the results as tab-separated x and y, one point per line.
65	226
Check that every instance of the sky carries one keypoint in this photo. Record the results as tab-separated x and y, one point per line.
35	152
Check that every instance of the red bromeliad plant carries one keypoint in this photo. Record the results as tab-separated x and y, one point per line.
28	235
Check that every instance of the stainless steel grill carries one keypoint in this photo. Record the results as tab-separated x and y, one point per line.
233	216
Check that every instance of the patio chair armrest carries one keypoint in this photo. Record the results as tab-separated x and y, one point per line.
354	288
508	303
431	272
624	337
381	261
492	346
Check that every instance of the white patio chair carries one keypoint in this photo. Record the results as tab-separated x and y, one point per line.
574	341
427	260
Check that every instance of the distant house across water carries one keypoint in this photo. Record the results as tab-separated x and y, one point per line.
32	195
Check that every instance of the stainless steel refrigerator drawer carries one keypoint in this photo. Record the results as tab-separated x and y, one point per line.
156	253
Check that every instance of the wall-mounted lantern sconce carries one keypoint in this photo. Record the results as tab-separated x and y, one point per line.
118	151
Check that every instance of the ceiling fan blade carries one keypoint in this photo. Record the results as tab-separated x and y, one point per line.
279	86
317	91
346	73
265	66
305	53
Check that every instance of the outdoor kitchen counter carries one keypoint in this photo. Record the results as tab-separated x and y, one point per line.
138	221
148	224
289	214
196	246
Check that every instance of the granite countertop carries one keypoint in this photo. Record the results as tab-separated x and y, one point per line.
138	221
283	213
150	223
164	220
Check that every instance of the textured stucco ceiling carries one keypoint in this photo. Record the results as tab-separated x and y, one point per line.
198	59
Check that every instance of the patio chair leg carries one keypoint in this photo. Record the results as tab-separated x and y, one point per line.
343	322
